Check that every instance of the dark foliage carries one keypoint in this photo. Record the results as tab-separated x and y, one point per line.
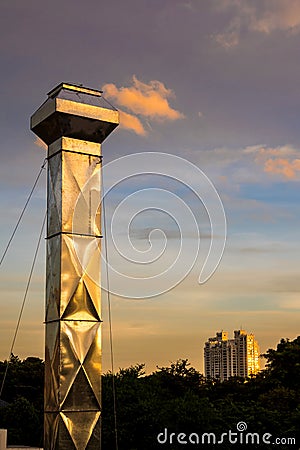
23	392
176	398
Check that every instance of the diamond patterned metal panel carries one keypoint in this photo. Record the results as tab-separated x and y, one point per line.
73	323
95	439
81	336
77	170
69	363
52	361
82	428
80	307
80	260
51	431
81	395
71	272
54	201
57	435
78	177
92	365
53	276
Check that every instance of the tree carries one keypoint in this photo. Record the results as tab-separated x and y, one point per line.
283	364
23	391
181	375
176	397
23	423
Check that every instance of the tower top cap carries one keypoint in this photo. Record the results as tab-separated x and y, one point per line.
74	87
74	111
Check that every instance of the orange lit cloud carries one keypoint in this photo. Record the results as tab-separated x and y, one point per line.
278	15
131	122
146	100
264	17
279	160
283	166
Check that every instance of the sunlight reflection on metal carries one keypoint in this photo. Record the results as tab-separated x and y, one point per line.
73	123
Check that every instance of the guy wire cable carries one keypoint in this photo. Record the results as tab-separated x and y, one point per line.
23	303
23	211
109	314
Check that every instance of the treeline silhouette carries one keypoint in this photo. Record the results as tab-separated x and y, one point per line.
176	398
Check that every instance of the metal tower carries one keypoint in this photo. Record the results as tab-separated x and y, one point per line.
73	122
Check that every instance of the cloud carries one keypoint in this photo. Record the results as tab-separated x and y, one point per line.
283	166
231	35
249	164
131	122
278	15
149	101
265	17
227	40
262	150
280	160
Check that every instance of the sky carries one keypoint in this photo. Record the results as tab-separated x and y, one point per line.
213	82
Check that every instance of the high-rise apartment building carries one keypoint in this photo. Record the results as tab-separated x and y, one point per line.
237	357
